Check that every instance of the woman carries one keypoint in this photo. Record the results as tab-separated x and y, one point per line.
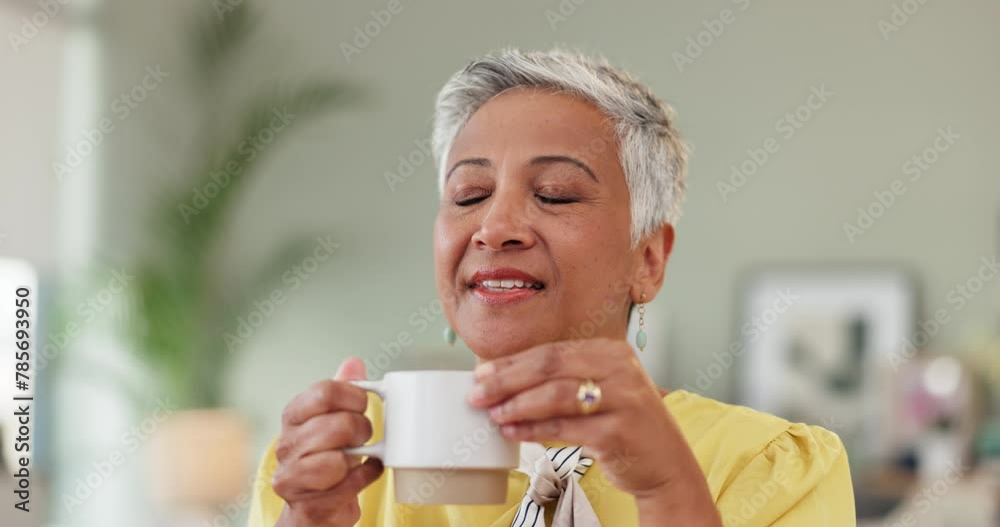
561	180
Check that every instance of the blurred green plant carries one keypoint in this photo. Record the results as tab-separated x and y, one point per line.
178	305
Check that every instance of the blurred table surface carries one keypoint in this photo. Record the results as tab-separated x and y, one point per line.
972	501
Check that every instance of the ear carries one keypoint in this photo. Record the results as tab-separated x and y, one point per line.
652	255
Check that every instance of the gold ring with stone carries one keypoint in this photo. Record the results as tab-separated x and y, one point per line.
588	397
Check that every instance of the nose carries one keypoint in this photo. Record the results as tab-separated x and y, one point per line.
506	224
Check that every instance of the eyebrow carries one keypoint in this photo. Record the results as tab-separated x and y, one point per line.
475	161
548	160
536	161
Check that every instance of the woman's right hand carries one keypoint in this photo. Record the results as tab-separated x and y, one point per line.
317	480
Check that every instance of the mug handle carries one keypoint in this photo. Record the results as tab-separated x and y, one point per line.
374	449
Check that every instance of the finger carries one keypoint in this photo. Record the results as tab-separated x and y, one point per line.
342	500
555	398
324	397
599	430
506	376
352	369
359	477
319	472
326	432
319	507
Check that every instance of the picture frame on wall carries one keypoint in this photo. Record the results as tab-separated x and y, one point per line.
821	345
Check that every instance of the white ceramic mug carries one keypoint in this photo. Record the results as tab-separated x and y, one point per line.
441	449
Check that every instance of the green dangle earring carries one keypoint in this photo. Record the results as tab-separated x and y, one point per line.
640	336
449	335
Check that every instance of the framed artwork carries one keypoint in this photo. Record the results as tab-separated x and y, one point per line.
820	346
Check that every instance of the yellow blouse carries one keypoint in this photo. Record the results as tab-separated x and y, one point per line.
761	470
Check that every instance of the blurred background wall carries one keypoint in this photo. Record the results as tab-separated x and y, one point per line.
889	94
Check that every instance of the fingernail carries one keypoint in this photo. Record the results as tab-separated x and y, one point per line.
484	369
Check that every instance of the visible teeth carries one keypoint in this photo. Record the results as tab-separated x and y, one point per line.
510	284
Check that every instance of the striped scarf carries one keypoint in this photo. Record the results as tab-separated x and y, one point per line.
556	477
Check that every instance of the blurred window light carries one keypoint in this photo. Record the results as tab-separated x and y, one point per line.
80	95
942	376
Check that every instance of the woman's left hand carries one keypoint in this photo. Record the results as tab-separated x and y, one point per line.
533	395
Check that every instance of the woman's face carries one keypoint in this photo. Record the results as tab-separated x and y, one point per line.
531	242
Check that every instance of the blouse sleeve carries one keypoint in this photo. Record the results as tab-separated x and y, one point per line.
265	505
800	478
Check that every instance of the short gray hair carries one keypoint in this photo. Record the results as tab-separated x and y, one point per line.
653	156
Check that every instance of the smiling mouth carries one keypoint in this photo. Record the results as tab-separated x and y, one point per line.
504	285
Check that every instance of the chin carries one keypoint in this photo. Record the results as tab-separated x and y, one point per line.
490	345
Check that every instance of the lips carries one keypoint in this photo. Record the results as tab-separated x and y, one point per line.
504	285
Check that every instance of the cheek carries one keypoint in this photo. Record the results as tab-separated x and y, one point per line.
449	246
592	256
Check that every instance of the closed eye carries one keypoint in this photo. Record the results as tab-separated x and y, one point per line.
554	200
470	201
